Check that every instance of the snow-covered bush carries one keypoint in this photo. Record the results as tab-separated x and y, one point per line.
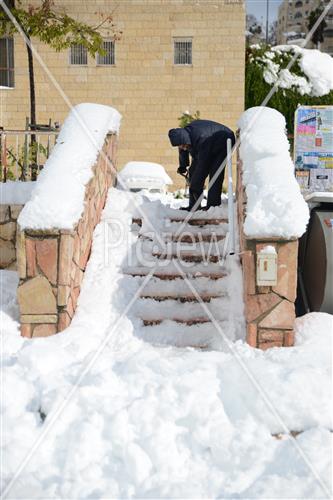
308	80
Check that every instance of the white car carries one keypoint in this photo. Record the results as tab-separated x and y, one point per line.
144	176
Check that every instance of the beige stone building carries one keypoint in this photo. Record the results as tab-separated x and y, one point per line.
293	23
174	55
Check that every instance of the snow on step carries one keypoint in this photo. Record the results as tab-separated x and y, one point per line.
187	256
215	248
190	221
219	213
178	288
149	310
179	228
176	269
200	222
181	298
205	335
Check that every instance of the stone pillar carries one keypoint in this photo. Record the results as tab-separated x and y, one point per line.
8	222
269	310
51	263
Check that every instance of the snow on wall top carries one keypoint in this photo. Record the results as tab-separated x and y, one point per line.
15	193
137	170
57	200
275	205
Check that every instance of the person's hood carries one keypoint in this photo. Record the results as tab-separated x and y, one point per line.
179	136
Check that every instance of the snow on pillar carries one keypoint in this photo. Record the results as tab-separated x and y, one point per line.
55	228
272	215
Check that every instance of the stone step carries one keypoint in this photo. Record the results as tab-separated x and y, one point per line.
200	222
187	257
162	275
197	237
199	335
188	322
191	221
188	313
137	220
174	289
186	237
181	298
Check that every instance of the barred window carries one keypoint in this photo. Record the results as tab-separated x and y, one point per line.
7	62
9	3
182	50
78	55
109	58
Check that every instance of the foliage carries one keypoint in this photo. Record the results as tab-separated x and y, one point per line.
284	100
179	194
187	118
56	28
23	159
318	34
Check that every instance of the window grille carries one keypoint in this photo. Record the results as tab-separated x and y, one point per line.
9	3
7	62
78	55
183	51
109	58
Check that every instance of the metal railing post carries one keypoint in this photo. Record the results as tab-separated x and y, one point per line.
231	216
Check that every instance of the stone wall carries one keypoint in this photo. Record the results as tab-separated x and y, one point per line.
269	310
144	84
8	226
51	263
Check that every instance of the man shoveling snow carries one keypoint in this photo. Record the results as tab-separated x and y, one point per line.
206	142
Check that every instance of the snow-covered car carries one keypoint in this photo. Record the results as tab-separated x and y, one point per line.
142	175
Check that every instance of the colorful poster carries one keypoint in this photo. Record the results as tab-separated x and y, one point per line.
313	142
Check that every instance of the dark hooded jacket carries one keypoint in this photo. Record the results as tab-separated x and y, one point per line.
195	134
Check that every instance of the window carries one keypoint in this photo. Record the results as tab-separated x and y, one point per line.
298	15
109	58
298	4
7	62
182	51
78	55
9	3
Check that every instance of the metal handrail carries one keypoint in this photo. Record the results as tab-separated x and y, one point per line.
29	132
231	213
18	155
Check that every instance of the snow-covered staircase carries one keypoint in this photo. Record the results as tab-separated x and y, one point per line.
184	279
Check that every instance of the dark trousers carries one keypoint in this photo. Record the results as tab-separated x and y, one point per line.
200	171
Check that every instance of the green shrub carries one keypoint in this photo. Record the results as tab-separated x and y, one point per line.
284	100
187	118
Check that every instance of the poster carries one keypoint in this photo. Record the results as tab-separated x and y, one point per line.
313	145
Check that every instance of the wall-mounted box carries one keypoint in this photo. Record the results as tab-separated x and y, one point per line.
267	267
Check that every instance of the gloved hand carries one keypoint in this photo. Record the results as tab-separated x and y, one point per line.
182	171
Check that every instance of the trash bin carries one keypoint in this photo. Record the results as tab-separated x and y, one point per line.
316	257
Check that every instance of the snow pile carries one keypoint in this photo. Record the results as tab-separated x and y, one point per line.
150	422
275	206
138	175
58	198
317	67
137	170
15	193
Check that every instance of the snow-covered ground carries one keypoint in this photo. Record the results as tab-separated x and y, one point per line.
96	412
